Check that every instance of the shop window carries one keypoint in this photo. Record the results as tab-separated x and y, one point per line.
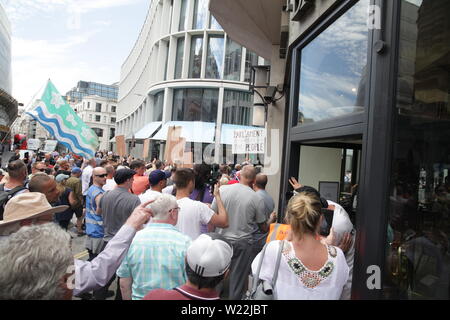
418	232
333	69
214	61
195	105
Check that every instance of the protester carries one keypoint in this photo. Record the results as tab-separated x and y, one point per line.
110	183
116	206
66	198
245	209
15	185
202	191
87	175
311	270
74	183
141	183
269	205
94	221
158	181
44	275
193	214
156	258
46	185
37	167
208	259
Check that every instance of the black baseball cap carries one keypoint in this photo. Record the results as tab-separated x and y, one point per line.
312	190
123	175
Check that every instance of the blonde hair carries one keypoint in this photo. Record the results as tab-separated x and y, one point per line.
303	213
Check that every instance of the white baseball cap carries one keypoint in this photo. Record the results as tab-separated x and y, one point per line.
209	257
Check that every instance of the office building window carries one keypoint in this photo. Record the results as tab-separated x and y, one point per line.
237	107
98	132
182	23
195	61
157	110
113	120
98	107
113	108
195	105
88	105
112	133
251	59
179	58
98	118
214	60
233	56
200	12
213	24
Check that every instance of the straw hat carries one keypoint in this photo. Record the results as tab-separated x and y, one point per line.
28	205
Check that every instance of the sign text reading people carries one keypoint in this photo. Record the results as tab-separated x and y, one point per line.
249	141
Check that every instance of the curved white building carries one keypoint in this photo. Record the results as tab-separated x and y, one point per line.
184	71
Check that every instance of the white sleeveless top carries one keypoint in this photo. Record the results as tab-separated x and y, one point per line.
296	282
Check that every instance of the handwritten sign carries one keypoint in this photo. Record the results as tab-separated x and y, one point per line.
249	141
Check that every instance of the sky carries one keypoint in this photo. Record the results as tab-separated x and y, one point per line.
70	40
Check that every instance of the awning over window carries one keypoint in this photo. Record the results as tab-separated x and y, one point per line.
192	131
148	130
227	132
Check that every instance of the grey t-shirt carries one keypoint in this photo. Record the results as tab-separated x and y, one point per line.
269	206
244	208
117	205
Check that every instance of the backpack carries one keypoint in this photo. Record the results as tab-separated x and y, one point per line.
5	196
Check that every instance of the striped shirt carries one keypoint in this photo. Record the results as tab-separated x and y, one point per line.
156	259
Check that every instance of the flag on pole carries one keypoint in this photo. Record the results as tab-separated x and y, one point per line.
58	118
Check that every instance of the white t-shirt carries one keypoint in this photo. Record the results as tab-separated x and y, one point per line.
191	215
110	185
149	195
168	189
86	179
332	276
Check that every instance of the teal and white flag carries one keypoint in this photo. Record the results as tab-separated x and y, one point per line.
58	118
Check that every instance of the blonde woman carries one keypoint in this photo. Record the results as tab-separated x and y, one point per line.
309	269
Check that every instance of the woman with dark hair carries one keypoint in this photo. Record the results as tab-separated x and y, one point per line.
202	191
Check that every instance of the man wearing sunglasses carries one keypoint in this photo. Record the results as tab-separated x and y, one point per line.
37	168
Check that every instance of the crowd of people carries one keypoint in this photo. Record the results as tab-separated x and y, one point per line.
163	231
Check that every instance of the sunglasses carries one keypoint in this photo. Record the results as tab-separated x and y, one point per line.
101	175
42	170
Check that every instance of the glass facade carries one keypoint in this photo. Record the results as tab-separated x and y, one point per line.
195	61
84	89
200	13
214	60
157	110
233	55
182	22
213	24
195	105
251	59
5	54
179	58
333	69
417	248
237	107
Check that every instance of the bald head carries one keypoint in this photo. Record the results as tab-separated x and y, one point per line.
248	175
99	176
261	181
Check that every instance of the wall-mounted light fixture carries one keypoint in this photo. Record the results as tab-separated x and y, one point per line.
260	85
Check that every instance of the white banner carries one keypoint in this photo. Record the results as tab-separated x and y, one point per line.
33	144
249	141
50	145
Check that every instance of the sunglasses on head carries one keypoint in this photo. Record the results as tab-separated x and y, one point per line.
101	175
